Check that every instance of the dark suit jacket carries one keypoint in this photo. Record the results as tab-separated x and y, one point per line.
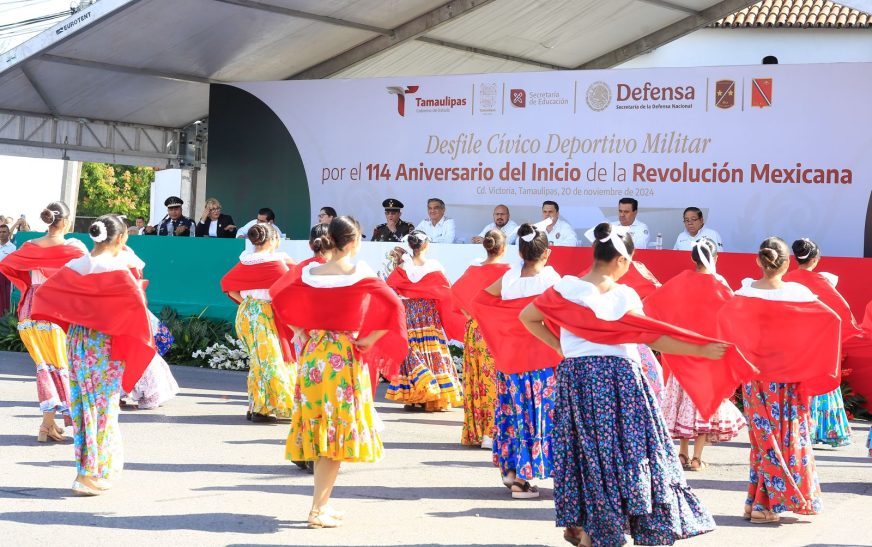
223	220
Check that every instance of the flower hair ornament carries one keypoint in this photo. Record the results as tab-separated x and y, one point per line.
419	236
704	257
811	246
538	227
102	233
616	237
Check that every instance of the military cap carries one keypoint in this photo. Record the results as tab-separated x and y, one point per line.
173	201
392	204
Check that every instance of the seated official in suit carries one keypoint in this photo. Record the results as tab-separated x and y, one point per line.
213	223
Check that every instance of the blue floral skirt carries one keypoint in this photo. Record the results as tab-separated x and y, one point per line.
831	422
615	469
523	421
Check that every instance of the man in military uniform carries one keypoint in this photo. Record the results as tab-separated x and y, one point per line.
175	223
395	228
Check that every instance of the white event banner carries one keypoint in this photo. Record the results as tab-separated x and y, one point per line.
763	150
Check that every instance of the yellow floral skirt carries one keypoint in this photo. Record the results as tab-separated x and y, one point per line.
47	345
270	379
334	416
479	387
428	375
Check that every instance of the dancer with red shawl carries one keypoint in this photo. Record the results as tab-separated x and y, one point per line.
427	379
525	367
350	323
615	470
794	340
692	299
272	371
828	410
479	374
109	345
27	269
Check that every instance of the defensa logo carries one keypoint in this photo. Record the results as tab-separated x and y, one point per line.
647	96
401	93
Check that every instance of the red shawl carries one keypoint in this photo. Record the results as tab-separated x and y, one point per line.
707	383
31	257
827	294
638	277
788	341
363	307
434	286
474	280
108	302
514	348
244	277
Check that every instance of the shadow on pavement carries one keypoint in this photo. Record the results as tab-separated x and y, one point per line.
243	398
204	522
424	446
397	545
13	404
425	422
454	463
404	493
279	442
514	513
162	467
742	486
17	492
20	440
136	416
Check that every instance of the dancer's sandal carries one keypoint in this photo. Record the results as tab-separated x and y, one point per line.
764	517
81	489
747	513
508	481
685	463
338	515
525	490
700	465
577	536
321	519
50	433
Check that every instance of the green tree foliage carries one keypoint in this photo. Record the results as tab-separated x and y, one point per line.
107	188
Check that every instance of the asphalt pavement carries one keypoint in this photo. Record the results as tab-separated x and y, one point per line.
197	473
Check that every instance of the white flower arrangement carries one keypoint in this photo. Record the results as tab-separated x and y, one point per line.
219	356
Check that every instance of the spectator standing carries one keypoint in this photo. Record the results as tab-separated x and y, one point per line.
559	232
694	230
6	247
438	228
175	223
503	222
213	223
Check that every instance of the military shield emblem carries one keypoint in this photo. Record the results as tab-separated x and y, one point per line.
725	94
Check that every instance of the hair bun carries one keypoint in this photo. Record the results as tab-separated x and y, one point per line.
47	216
602	230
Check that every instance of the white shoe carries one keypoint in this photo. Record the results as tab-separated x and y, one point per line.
486	442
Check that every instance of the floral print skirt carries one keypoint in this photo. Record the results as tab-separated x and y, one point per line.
524	418
479	387
334	416
46	344
95	385
615	469
427	376
157	384
831	424
652	370
684	422
270	379
783	474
